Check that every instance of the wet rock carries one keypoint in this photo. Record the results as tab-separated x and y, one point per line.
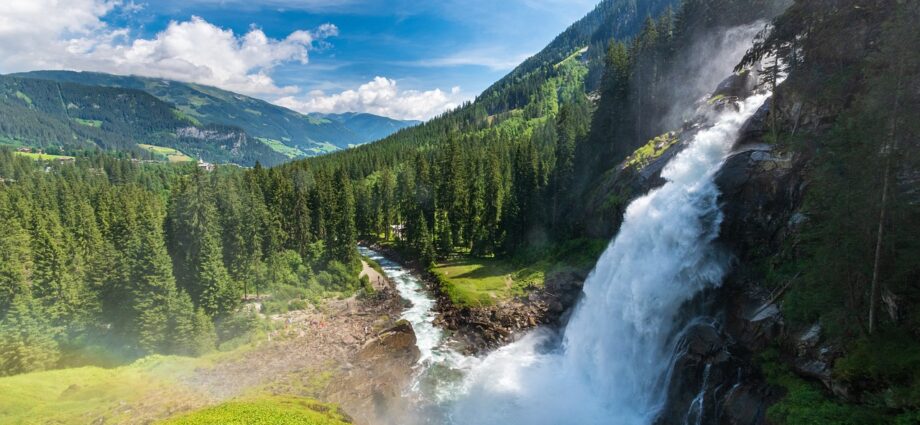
705	375
746	404
371	387
740	85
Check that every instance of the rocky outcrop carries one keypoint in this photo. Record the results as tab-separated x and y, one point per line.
711	383
370	387
484	328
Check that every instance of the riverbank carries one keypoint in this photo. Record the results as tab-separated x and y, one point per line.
344	351
476	328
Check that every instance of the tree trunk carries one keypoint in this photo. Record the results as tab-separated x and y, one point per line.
773	111
889	151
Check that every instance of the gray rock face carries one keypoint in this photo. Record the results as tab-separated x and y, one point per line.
714	380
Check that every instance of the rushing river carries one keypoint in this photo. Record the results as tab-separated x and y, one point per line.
439	369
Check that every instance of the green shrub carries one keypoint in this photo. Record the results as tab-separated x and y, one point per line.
805	403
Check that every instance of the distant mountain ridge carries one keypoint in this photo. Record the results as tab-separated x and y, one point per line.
373	127
286	132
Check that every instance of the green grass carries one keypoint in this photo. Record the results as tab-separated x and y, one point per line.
173	155
184	116
150	388
42	156
652	150
483	282
572	57
277	146
321	148
89	123
24	97
80	395
480	282
267	411
317	120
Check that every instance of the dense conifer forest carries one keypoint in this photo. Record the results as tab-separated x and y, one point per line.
146	258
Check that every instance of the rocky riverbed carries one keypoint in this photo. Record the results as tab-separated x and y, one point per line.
355	352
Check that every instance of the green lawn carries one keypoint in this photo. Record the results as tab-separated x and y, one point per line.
173	155
479	282
277	146
42	156
267	411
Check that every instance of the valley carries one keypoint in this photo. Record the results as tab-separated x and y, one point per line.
677	212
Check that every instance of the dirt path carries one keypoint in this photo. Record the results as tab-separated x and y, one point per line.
379	281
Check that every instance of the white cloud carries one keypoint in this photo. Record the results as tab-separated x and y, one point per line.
381	96
70	34
492	58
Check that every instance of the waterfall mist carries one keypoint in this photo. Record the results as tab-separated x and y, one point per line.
611	365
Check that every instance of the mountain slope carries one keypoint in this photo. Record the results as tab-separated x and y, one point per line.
526	92
370	127
66	116
311	134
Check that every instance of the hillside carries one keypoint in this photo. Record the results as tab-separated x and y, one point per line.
286	133
68	117
370	127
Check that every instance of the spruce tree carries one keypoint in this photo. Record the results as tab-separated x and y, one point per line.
27	340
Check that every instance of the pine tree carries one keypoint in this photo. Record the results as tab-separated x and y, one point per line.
343	244
26	338
15	261
219	294
192	331
153	288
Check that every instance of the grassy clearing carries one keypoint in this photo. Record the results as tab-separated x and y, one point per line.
277	146
184	115
173	155
147	388
321	148
24	97
268	410
480	282
151	388
43	156
89	123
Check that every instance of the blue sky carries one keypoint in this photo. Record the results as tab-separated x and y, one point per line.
406	59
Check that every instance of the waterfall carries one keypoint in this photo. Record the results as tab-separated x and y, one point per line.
611	364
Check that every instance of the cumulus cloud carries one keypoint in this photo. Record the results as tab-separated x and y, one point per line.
381	96
71	34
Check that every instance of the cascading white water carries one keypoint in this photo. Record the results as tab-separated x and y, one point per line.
615	351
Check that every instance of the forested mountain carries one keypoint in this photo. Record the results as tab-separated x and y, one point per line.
68	117
510	176
272	134
822	217
371	127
